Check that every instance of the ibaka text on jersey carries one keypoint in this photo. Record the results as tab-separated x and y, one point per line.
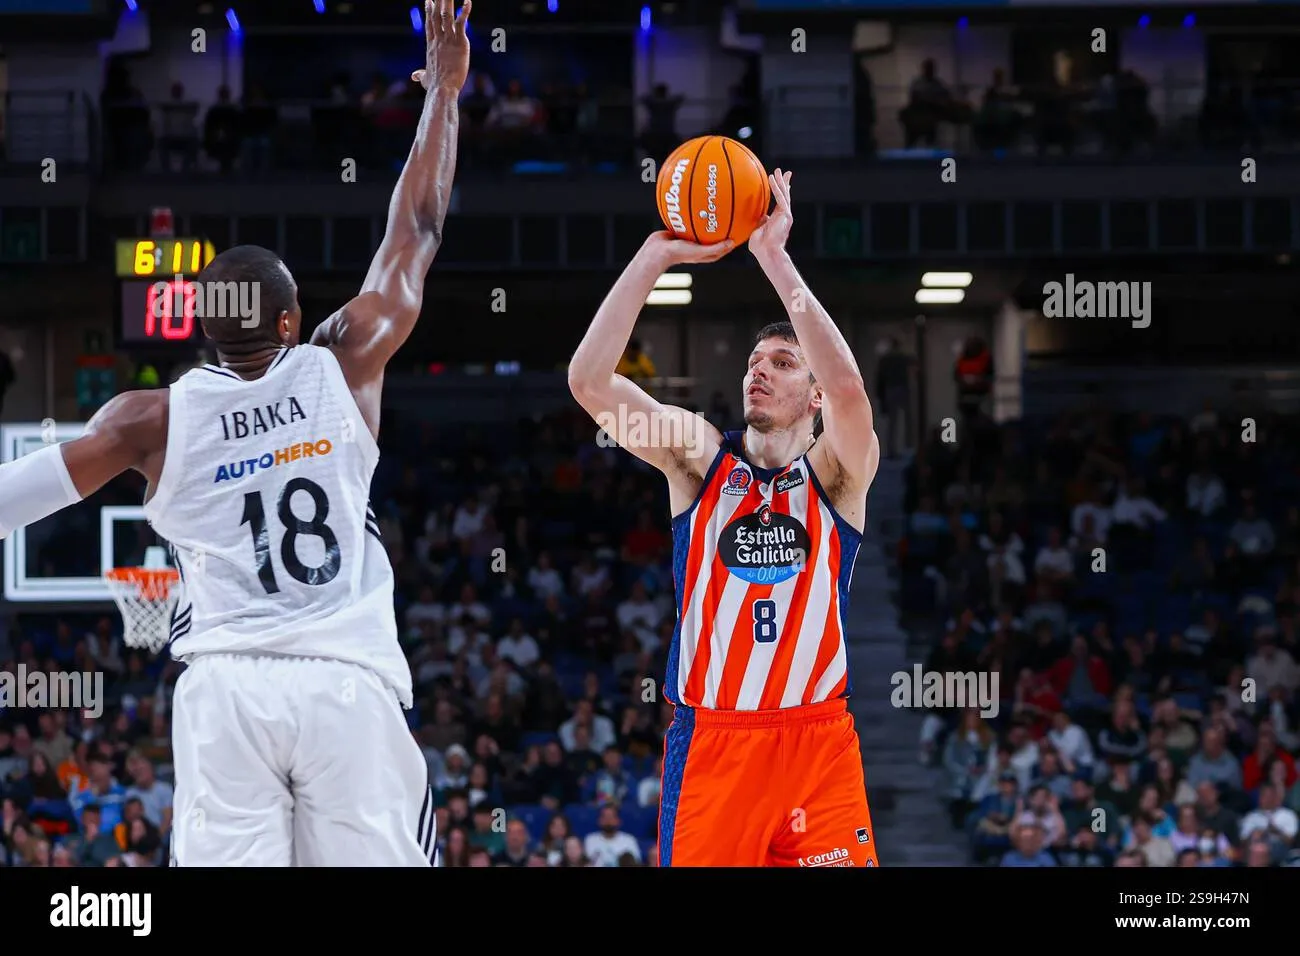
258	421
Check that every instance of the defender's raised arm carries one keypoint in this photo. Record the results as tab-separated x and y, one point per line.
369	330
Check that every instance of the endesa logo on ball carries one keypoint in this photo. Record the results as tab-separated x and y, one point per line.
764	547
710	211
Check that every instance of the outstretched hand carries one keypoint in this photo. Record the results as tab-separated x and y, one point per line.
446	56
771	234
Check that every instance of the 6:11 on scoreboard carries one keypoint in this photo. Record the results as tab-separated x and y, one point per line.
161	258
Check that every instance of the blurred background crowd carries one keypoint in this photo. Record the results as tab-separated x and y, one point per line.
1135	583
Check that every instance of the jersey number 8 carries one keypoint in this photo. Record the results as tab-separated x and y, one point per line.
295	527
764	621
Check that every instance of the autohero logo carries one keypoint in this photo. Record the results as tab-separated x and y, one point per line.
710	213
837	857
764	547
673	198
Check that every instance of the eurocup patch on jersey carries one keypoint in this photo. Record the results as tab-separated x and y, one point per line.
764	546
737	482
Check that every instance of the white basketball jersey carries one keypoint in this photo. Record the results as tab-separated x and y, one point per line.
264	499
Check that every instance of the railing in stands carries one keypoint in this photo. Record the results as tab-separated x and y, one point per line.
48	124
809	122
1161	391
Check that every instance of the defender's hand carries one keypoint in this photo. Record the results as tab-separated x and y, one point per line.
446	57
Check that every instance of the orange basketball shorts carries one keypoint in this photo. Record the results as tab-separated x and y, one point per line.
764	788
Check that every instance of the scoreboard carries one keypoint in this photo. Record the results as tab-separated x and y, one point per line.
157	293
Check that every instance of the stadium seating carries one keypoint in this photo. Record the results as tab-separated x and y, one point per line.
1029	792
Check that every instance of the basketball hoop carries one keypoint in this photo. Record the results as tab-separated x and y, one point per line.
146	597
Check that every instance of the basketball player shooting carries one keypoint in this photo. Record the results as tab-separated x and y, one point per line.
761	762
290	743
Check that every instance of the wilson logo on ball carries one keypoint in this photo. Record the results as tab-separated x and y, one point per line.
713	188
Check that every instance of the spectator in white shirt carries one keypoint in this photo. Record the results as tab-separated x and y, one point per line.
1205	494
518	646
1132	525
1271	666
1271	820
1133	507
589	577
1054	564
607	846
640	615
471	605
544	579
1254	540
1071	742
601	727
469	518
1100	515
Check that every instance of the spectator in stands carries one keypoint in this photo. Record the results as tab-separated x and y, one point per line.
1272	821
607	846
1157	850
222	131
659	135
965	758
517	850
178	140
1214	764
1028	843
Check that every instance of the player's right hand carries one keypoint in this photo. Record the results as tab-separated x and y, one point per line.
668	248
446	56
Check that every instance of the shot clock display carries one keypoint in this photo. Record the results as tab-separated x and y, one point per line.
163	258
151	270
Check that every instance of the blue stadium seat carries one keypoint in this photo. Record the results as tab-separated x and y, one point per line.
638	821
582	817
535	817
536	738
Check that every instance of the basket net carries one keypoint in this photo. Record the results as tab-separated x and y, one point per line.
146	597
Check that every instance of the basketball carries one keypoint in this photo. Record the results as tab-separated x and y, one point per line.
712	188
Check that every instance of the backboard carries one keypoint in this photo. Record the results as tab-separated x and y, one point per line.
62	558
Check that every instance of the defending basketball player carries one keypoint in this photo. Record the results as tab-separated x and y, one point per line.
290	742
762	764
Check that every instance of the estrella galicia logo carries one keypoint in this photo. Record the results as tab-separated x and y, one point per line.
737	482
791	479
764	546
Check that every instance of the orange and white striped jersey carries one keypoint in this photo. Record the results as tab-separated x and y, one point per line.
762	565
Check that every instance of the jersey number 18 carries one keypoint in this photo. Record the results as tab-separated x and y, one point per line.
294	528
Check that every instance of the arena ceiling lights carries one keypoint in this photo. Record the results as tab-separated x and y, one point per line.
671	288
943	288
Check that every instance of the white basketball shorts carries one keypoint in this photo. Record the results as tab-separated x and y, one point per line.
295	762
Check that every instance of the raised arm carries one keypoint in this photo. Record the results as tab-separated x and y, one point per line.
369	330
848	424
665	436
130	432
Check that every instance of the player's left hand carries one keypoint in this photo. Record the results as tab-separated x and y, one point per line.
771	234
446	55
